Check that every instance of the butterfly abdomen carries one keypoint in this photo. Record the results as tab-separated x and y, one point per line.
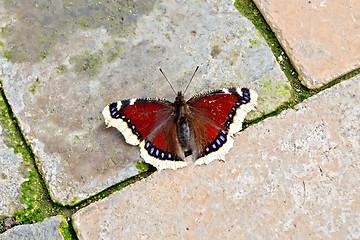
184	135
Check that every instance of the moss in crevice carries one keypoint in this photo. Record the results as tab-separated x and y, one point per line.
34	194
116	187
143	166
65	229
338	80
248	9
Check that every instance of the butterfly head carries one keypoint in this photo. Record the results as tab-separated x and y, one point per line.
180	98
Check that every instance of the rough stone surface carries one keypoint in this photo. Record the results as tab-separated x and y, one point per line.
46	230
64	61
293	176
321	37
12	172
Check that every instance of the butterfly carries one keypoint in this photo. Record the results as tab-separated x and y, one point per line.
167	132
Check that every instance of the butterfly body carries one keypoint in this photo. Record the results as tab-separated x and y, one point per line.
166	132
181	113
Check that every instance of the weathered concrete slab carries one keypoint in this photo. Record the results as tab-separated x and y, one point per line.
49	229
63	62
289	177
322	38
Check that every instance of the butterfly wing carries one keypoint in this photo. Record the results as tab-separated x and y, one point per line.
215	117
150	124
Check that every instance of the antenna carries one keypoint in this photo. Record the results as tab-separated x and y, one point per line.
191	79
167	80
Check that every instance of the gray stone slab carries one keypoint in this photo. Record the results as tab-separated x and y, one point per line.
72	59
49	229
321	37
12	175
293	176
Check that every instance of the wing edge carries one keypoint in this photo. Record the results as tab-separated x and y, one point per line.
242	111
217	155
120	125
159	163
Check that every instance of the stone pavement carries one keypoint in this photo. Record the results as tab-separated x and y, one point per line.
289	176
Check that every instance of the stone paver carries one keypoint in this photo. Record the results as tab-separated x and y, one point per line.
63	62
49	229
12	175
293	176
322	38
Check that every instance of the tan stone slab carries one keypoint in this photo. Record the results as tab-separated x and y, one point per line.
322	38
293	176
65	61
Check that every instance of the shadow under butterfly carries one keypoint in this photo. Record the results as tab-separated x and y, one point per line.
167	132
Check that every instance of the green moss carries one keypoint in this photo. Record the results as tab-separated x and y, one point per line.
61	68
88	64
253	41
34	85
83	22
2	227
64	229
5	32
8	55
74	201
120	49
91	62
114	52
37	206
142	166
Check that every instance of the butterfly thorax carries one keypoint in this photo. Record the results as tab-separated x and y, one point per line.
182	115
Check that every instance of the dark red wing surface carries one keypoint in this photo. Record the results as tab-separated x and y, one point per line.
145	116
149	123
213	114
